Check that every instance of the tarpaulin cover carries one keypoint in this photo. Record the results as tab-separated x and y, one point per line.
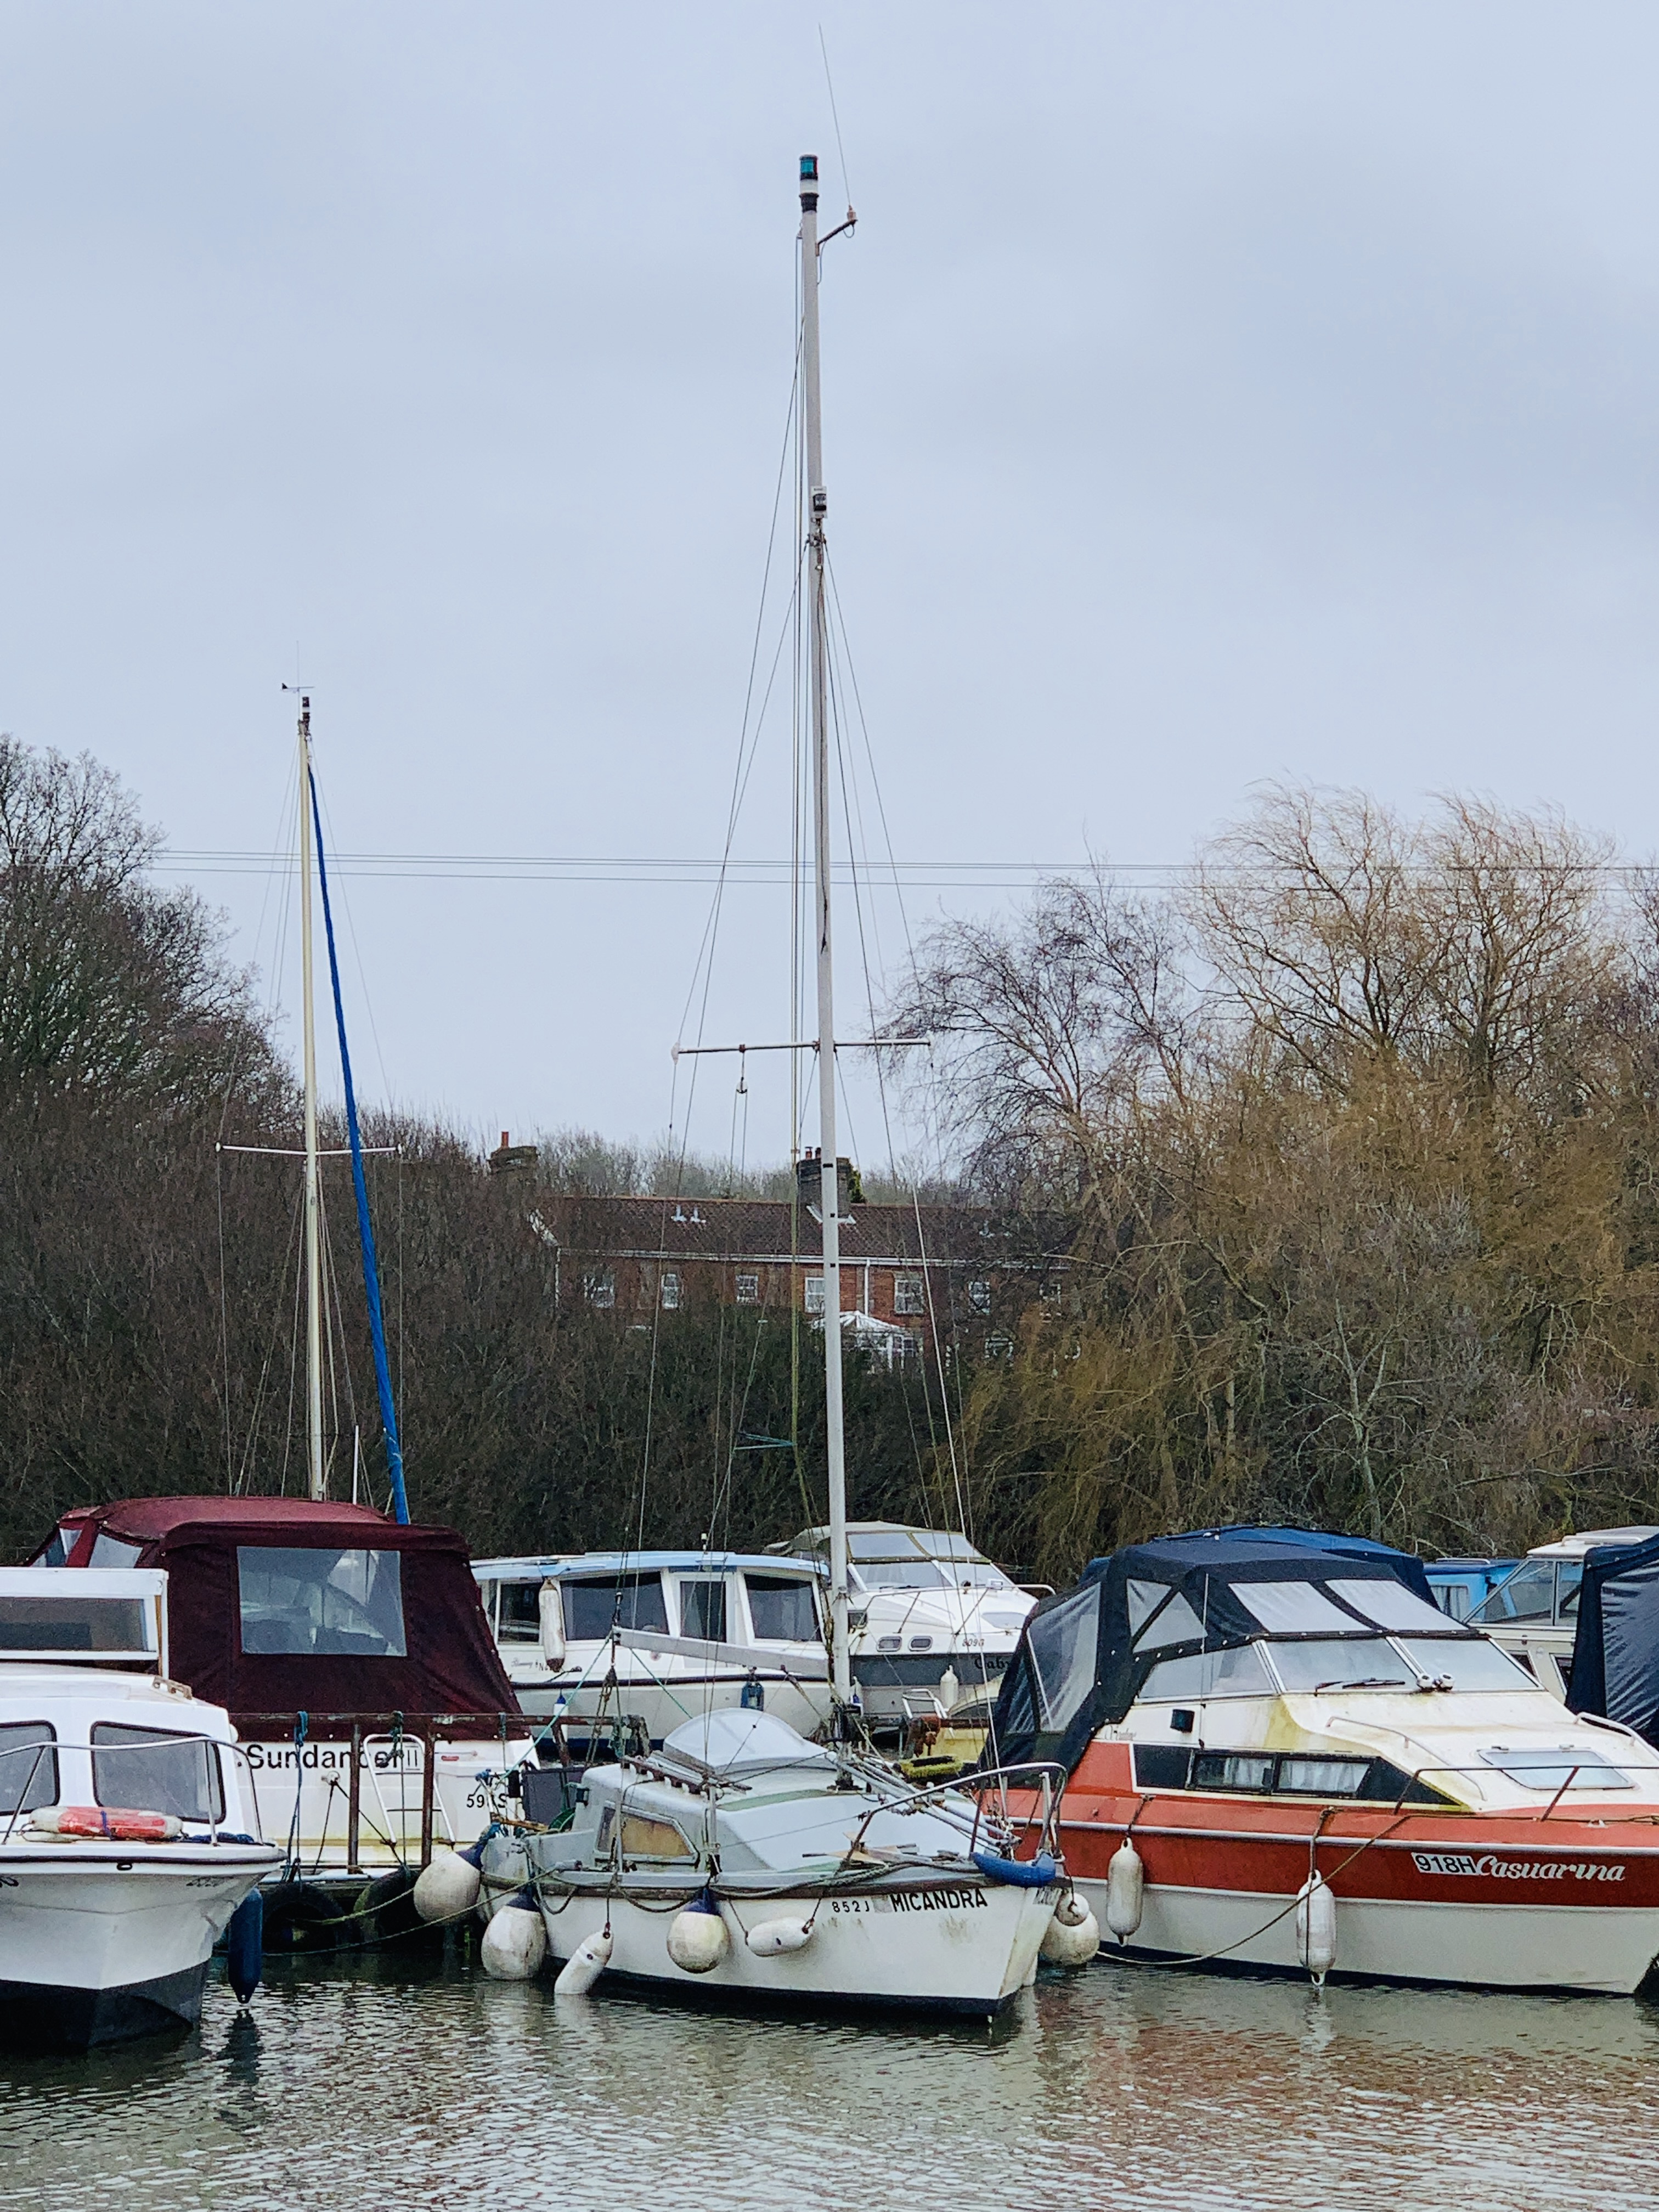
1409	1568
1083	1655
449	1664
1616	1647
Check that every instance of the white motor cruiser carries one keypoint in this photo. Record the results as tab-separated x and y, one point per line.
1534	1612
640	1642
125	1818
744	1860
931	1617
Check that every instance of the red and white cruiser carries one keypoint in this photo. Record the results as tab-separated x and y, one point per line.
1287	1758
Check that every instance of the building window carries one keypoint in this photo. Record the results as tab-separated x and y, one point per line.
979	1297
748	1290
815	1294
907	1295
671	1289
600	1286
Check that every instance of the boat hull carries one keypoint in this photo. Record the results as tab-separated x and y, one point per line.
95	1947
1485	1901
966	1949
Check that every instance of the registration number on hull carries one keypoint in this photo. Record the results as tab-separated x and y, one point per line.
917	1900
1488	1866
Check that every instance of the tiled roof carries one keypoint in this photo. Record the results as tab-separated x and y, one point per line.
717	1229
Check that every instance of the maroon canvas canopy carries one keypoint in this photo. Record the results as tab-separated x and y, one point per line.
286	1604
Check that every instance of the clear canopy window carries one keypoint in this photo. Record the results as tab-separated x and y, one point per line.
147	1771
592	1609
1391	1605
28	1766
102	1627
781	1610
1294	1609
1176	1623
1062	1648
321	1603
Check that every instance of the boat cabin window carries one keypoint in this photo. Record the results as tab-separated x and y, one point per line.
1556	1766
520	1620
643	1838
781	1609
146	1771
101	1627
592	1608
702	1610
1240	1673
28	1766
321	1604
1280	1774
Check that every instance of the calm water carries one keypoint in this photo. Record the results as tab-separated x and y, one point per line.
391	2083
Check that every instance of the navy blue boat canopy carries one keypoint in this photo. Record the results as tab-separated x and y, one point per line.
1615	1646
1084	1655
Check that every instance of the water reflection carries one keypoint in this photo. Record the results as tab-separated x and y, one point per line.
413	2082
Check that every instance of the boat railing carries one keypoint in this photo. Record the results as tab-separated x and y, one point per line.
990	1799
425	1730
163	1742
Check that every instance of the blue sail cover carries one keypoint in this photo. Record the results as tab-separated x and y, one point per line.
1083	1655
1616	1647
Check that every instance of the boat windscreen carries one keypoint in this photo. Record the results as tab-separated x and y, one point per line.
83	1627
1358	1663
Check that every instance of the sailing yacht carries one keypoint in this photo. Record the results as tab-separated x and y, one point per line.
741	1858
350	1645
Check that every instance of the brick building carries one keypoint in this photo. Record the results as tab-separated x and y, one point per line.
966	1272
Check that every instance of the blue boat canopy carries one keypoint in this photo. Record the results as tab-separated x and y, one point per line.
1085	1653
1615	1646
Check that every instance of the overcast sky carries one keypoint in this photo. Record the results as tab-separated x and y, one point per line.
1213	392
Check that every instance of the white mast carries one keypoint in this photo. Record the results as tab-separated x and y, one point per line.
313	1223
828	1171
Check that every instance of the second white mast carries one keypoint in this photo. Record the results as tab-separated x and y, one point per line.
817	504
315	1470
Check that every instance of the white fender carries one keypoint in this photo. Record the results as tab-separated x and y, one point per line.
584	1966
770	1939
1125	1879
1315	1927
515	1944
1072	1936
447	1888
698	1940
